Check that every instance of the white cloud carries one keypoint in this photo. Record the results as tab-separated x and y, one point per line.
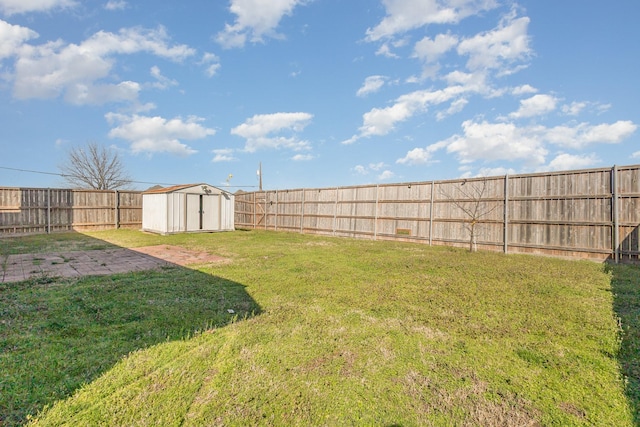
259	131
381	121
157	134
386	175
12	37
385	50
264	124
134	40
255	20
211	62
574	108
580	135
523	90
371	167
494	141
162	82
537	105
223	155
371	84
636	155
361	170
405	15
55	68
417	156
141	108
455	107
483	141
472	82
302	157
565	161
116	5
430	50
498	48
98	94
212	69
495	171
10	7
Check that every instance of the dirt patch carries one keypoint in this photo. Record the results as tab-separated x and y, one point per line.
17	268
180	256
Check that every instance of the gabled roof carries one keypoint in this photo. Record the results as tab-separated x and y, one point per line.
174	188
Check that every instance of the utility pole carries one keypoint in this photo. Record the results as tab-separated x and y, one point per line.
260	176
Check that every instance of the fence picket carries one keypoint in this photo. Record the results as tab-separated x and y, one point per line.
590	213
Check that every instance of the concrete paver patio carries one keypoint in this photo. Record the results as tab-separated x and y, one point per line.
16	268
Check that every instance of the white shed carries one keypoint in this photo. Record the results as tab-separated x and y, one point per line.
187	208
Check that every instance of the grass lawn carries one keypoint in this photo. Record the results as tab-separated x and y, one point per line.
325	331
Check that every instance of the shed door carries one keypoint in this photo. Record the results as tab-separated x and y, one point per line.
210	212
194	209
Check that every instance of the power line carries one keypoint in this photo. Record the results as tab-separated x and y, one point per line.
26	170
133	182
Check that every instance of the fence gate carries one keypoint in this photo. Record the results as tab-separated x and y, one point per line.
260	210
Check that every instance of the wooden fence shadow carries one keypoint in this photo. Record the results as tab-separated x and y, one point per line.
629	247
57	334
625	285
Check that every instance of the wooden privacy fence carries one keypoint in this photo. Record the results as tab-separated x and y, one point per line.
592	213
46	210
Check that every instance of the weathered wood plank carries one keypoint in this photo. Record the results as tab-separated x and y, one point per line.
566	213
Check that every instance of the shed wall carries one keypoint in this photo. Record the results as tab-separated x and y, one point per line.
154	213
183	211
176	212
227	207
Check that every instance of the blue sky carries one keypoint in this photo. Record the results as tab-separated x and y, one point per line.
321	92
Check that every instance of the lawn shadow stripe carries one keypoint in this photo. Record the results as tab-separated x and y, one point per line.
625	281
58	335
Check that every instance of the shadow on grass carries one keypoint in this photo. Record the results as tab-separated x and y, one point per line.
57	334
625	285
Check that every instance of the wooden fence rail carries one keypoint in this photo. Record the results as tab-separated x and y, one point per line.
46	210
592	213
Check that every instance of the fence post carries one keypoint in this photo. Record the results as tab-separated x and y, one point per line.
433	184
266	216
302	214
375	218
276	220
117	209
48	210
506	214
335	212
614	212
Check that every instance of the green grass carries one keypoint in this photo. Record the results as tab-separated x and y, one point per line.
626	290
350	332
43	243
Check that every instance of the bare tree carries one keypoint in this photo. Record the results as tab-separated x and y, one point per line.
94	166
474	205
